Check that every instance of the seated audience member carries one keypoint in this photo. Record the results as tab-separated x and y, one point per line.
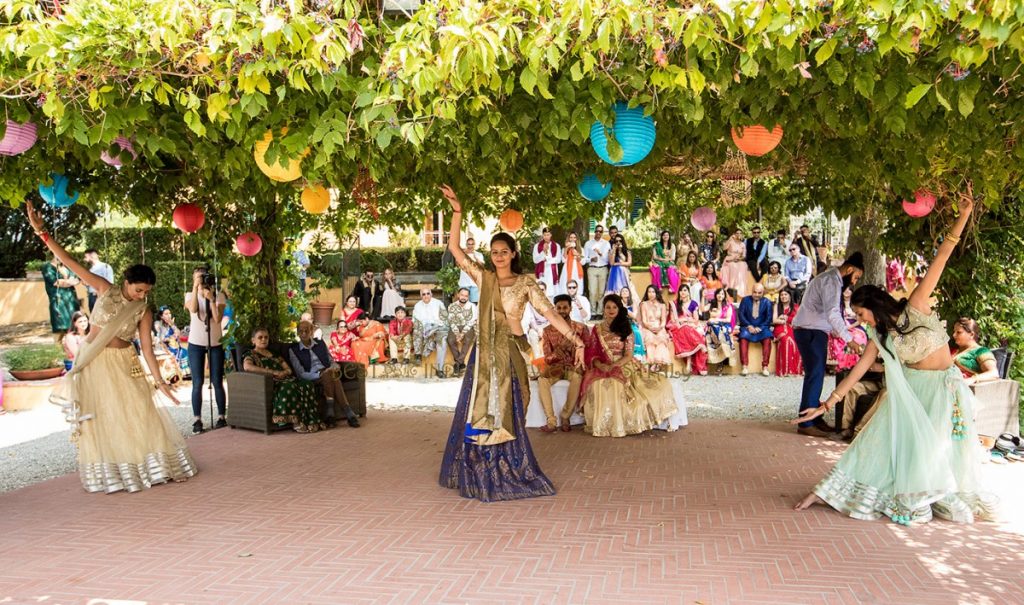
400	336
709	281
773	281
311	361
559	364
873	383
838	355
787	358
371	343
462	318
755	321
533	324
626	296
75	337
369	294
430	329
798	271
295	401
687	332
580	304
653	319
167	346
975	362
341	342
720	326
318	334
618	396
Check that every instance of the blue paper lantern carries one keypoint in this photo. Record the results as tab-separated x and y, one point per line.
592	189
634	132
57	193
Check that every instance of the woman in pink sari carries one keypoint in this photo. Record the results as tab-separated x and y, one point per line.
687	332
653	318
340	344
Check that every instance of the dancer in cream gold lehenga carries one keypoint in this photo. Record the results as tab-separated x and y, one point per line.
124	441
918	456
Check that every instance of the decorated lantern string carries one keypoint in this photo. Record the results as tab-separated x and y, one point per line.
756	140
18	138
188	217
511	220
56	194
633	131
923	204
592	189
120	146
703	218
249	243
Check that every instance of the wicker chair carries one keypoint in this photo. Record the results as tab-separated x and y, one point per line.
251	396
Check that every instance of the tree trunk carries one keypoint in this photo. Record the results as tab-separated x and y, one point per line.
865	228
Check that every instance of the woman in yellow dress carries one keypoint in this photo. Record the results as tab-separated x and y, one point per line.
618	396
488	454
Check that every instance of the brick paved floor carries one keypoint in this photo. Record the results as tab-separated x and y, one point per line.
356	516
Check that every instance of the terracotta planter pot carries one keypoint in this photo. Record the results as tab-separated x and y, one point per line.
37	374
323	312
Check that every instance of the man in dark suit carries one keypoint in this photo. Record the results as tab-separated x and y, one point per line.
310	360
757	249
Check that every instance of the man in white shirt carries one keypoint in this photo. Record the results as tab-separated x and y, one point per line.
580	305
429	329
205	307
778	249
96	267
465	281
462	318
595	258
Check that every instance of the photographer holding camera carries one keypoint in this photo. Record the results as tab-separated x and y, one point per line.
205	307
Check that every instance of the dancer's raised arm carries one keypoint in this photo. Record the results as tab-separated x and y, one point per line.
88	278
919	297
455	234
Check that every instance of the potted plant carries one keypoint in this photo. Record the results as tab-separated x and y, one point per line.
325	272
35	362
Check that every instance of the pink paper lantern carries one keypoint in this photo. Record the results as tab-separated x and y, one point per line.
116	160
189	218
249	244
18	138
703	218
923	204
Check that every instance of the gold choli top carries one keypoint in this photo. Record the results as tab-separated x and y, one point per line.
928	337
108	305
514	297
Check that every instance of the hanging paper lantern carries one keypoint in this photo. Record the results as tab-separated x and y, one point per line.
592	189
703	218
120	146
18	138
277	171
511	220
57	194
638	206
316	199
756	140
634	132
923	204
189	218
249	244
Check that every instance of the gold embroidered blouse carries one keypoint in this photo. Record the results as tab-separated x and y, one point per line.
513	297
108	305
928	334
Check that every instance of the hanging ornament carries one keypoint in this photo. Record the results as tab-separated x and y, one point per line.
249	244
281	173
316	199
120	147
592	189
18	138
56	194
633	131
703	218
511	220
188	217
364	192
923	204
735	177
756	140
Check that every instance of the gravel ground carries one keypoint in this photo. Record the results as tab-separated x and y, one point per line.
51	454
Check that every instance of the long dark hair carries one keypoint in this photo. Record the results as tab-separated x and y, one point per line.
661	239
620	325
516	266
886	309
704	270
696	259
779	309
624	250
715	304
679	302
657	294
78	314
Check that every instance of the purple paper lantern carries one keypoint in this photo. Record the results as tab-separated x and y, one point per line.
18	138
703	218
124	146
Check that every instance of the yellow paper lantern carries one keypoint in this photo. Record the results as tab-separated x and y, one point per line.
276	171
316	199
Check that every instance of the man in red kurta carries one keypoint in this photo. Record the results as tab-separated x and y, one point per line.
559	355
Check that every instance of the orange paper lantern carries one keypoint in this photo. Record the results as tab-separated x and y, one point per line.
316	199
756	140
511	220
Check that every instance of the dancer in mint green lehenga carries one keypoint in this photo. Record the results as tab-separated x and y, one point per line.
919	453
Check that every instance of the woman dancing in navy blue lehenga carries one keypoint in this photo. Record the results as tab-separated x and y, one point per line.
488	454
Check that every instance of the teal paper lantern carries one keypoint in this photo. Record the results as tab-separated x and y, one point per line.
634	132
592	189
57	194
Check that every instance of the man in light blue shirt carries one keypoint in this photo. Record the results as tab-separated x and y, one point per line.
798	272
302	260
97	267
819	315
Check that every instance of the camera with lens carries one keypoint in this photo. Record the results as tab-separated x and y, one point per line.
207	279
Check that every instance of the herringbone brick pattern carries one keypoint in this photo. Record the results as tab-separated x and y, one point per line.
355	516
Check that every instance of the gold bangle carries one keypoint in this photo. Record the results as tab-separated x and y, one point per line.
952	238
